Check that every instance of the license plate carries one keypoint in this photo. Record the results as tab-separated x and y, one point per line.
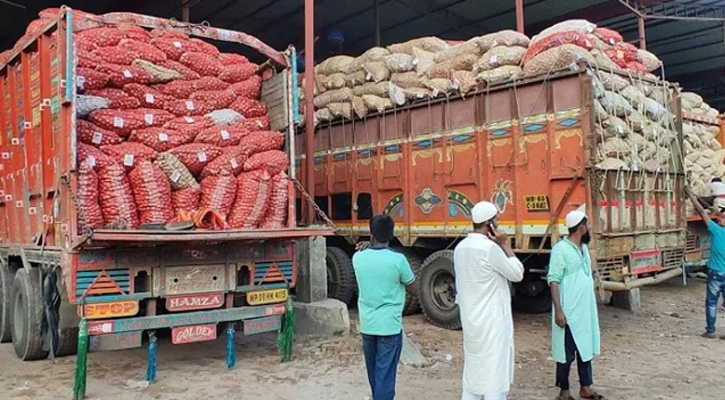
195	279
267	296
261	325
194	302
194	333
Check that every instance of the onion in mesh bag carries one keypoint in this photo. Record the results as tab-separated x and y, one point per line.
182	108
276	213
90	79
187	199
202	63
116	198
147	96
152	193
93	156
87	197
89	133
231	161
218	193
122	122
232	58
219	98
250	88
249	108
120	75
174	48
205	47
160	139
145	51
129	154
272	161
100	37
222	135
257	142
117	98
177	173
196	156
252	199
191	125
237	72
153	117
255	124
86	104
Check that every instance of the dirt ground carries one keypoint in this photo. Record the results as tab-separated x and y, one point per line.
656	355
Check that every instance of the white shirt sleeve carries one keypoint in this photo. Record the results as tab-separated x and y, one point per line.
510	267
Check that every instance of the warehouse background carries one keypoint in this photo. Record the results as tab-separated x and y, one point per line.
688	35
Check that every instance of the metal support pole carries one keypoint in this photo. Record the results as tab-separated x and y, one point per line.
520	16
642	35
377	22
185	10
309	105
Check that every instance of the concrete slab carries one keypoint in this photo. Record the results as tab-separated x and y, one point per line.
629	300
411	355
312	273
322	318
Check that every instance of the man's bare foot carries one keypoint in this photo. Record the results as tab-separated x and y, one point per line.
709	335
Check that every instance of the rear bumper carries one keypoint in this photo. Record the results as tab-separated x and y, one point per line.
139	324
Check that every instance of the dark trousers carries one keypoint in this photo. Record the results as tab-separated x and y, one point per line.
715	289
382	354
563	369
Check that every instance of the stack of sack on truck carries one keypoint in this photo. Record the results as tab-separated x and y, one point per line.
703	152
425	68
170	129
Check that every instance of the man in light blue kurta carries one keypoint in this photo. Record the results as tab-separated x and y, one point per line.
575	321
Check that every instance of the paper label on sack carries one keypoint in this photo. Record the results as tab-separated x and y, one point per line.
97	138
202	156
127	73
177	45
369	76
80	81
149	98
435	92
118	122
128	160
640	108
611	41
234	163
149	118
225	135
619	129
259	123
163	137
494	59
189	120
175	176
91	161
190	105
415	62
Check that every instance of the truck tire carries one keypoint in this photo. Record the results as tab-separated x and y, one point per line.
412	303
531	296
340	275
438	291
27	315
6	303
67	342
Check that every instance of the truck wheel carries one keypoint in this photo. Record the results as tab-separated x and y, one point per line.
27	315
67	342
412	303
438	290
340	275
6	303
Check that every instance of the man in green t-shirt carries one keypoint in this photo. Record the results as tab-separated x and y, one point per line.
382	279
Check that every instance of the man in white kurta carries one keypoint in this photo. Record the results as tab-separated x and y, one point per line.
484	265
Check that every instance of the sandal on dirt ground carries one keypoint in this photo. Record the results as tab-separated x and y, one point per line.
565	397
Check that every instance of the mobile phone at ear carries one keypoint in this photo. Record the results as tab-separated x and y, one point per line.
491	229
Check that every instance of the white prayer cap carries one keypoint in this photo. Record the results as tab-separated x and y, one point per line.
483	211
574	218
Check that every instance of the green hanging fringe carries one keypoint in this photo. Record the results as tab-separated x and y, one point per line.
286	335
79	386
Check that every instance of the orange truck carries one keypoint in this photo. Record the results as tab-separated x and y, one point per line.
125	283
528	147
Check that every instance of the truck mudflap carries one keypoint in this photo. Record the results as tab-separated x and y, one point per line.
186	327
